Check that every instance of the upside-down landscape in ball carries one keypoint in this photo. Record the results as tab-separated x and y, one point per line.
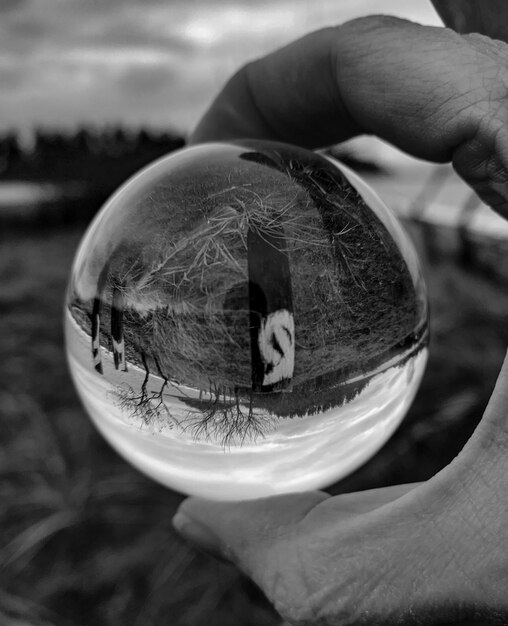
245	319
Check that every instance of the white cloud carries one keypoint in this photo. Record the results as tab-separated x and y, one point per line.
117	56
158	61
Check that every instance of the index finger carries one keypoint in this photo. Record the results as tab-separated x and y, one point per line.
429	91
290	95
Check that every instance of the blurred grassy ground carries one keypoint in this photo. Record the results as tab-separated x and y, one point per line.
85	539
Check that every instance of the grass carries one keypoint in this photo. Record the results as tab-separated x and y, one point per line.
85	539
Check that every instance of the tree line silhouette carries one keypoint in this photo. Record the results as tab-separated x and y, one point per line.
88	164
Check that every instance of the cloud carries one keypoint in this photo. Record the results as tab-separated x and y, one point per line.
8	6
152	82
153	61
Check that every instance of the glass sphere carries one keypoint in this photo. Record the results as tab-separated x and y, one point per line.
245	319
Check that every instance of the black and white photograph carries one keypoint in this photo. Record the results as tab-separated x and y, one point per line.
254	312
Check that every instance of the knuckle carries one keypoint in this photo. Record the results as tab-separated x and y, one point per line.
476	83
479	158
495	48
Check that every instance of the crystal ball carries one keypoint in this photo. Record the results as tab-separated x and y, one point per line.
245	319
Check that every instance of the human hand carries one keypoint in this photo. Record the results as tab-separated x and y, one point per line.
434	93
411	554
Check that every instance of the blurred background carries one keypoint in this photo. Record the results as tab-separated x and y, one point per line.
92	91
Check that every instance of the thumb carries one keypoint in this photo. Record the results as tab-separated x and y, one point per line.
269	538
243	532
389	554
259	536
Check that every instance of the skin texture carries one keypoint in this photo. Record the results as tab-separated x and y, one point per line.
430	553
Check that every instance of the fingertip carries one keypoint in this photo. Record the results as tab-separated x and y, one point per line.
213	524
198	534
193	509
254	534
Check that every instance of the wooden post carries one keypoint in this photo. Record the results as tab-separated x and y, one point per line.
96	319
117	329
272	327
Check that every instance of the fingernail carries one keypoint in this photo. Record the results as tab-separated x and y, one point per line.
198	534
